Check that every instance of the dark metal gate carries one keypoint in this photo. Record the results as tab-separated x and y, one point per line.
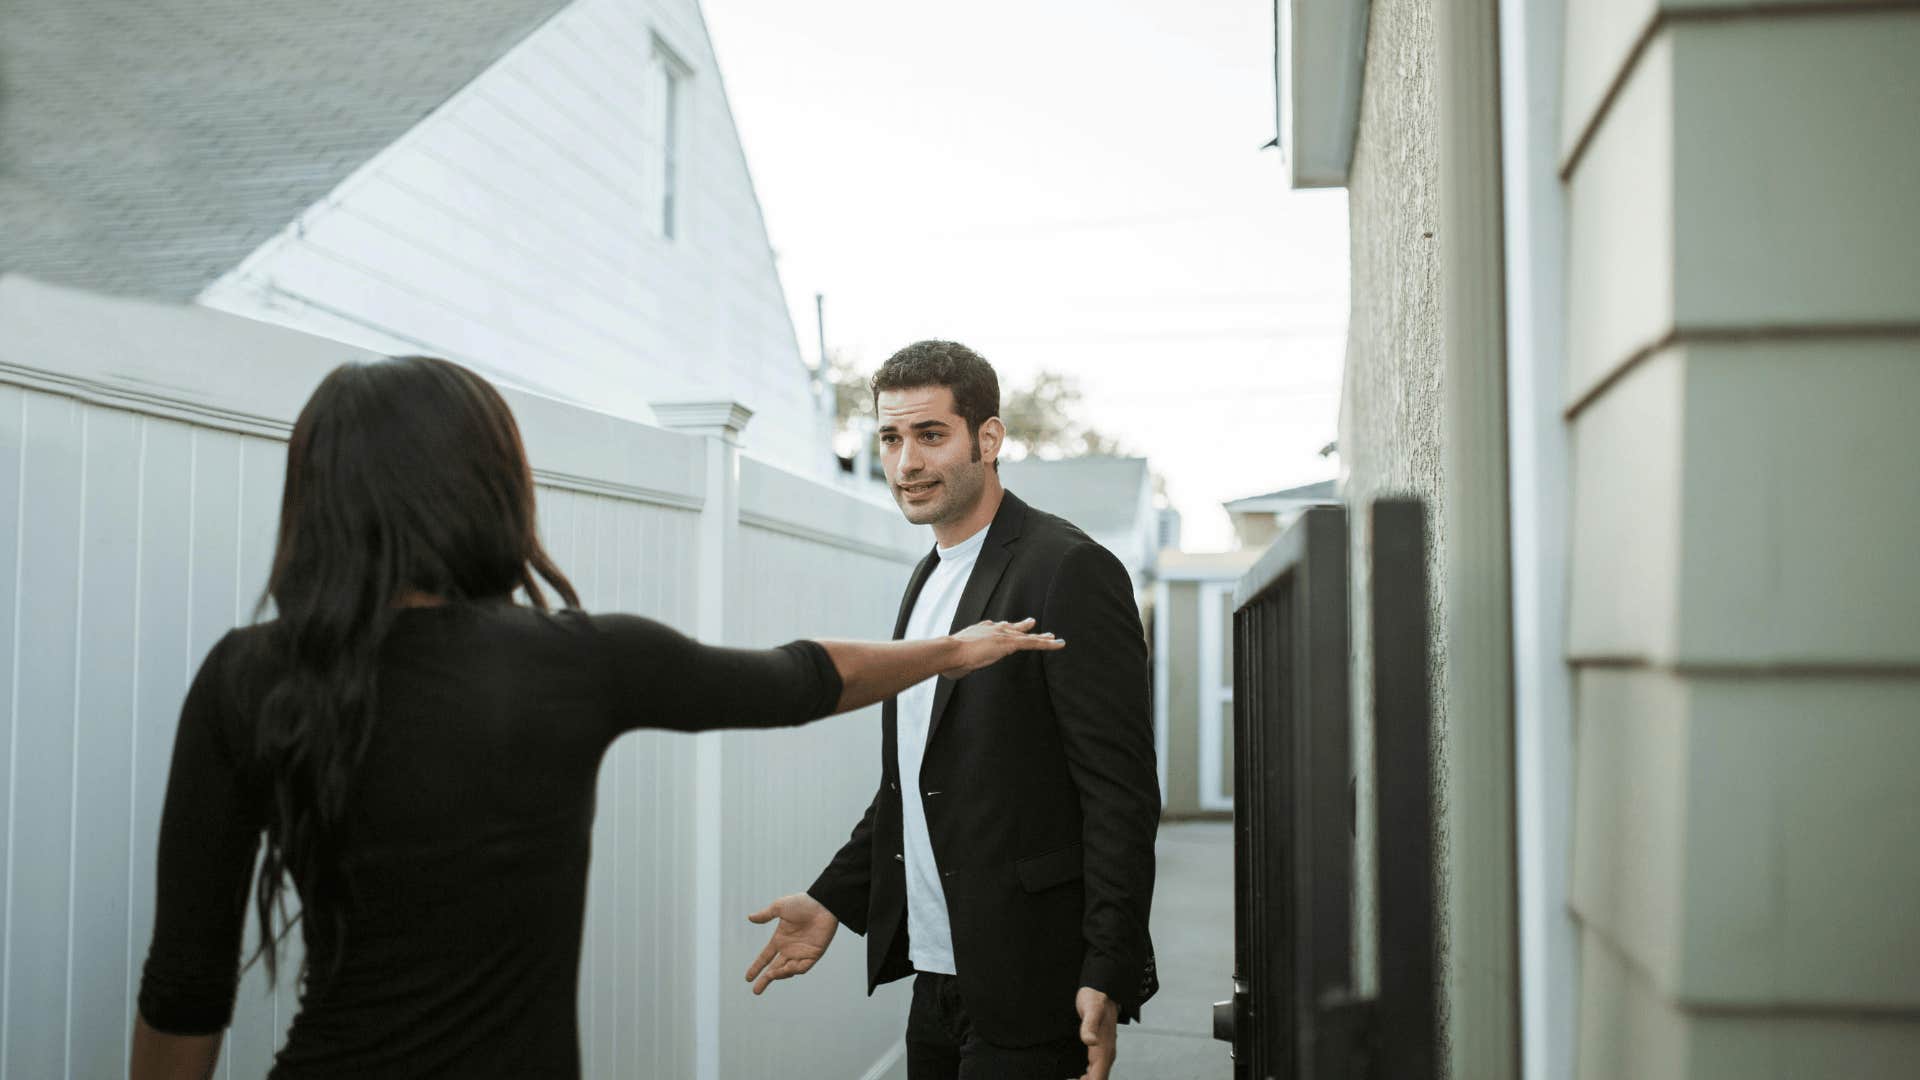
1294	1014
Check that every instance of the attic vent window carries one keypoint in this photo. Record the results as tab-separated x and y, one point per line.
674	74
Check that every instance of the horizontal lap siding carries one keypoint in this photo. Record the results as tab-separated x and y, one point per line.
1742	323
517	228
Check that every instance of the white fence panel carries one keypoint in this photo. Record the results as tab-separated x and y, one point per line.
141	456
636	962
825	565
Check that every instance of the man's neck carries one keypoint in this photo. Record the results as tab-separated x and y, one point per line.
949	533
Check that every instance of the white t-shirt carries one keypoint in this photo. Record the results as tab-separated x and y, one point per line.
929	934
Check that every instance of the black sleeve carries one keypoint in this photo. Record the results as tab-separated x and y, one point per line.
658	677
209	831
842	887
1100	691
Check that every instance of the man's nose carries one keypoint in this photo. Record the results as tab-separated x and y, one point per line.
909	458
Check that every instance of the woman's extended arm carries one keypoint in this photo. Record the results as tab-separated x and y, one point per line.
873	671
658	677
160	1056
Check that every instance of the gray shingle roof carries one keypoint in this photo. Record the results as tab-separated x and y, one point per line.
146	148
1099	494
1324	491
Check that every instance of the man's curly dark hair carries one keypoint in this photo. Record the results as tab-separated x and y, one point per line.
976	389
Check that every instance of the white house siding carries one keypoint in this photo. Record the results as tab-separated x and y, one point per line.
517	228
141	455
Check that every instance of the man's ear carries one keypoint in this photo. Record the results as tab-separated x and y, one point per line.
993	435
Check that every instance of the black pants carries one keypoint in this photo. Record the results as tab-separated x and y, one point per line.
942	1045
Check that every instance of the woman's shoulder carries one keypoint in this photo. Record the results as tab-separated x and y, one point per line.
244	651
530	627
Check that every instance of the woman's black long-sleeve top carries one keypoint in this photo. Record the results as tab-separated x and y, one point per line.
468	833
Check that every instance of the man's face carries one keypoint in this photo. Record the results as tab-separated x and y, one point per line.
934	465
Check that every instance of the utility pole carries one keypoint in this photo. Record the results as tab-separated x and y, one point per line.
820	324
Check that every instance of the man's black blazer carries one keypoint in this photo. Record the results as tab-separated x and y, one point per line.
1041	795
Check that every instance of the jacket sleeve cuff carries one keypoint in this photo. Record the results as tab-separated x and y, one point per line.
847	905
1128	985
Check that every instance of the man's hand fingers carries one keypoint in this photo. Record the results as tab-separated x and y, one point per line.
767	978
766	914
759	962
785	967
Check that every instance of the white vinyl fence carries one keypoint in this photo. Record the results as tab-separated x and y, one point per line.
141	455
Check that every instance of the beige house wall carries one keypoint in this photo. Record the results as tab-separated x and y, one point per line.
1183	689
1743	352
1188	666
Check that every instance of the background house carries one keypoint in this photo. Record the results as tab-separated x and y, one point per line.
1193	679
552	193
1192	619
1258	520
1109	498
1623	273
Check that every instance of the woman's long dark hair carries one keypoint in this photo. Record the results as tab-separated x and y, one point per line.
404	476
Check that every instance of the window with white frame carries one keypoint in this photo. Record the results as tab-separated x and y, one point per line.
674	75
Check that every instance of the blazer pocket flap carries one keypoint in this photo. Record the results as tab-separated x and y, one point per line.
1056	867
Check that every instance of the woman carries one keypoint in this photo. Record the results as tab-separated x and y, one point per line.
420	751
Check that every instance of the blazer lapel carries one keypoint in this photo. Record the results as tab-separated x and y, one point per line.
987	569
889	716
914	584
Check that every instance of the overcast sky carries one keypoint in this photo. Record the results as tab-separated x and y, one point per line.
1069	185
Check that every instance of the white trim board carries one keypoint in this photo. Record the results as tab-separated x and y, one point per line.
1534	222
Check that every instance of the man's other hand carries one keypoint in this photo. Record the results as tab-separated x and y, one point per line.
1099	1024
806	929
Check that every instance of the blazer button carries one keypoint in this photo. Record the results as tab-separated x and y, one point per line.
891	786
897	857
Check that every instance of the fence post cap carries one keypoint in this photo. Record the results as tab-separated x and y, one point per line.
723	418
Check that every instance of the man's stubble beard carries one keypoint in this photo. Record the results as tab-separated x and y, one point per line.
963	488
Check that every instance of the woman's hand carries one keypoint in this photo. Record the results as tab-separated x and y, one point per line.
986	642
873	671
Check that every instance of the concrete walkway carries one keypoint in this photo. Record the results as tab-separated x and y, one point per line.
1193	946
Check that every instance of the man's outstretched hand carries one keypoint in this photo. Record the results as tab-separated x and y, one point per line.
806	929
1099	1027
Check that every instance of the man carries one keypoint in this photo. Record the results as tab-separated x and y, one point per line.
1007	859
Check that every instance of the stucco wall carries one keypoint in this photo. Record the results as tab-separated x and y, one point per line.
1390	405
